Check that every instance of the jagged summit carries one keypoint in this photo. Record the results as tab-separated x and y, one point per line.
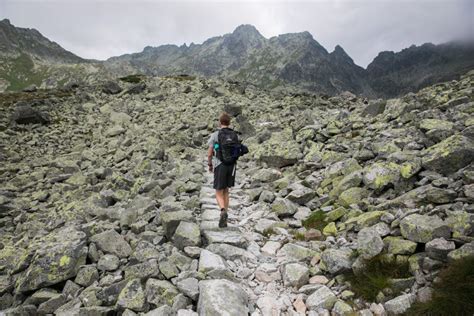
247	30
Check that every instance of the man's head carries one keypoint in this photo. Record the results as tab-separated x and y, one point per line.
224	119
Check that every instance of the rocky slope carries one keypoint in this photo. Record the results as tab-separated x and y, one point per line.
392	74
28	58
106	206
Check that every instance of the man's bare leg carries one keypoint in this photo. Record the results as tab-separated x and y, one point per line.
226	198
220	198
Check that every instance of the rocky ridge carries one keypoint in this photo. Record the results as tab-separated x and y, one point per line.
106	206
288	62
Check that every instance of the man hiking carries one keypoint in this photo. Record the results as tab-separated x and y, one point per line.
224	150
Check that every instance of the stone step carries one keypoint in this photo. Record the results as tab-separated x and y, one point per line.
229	235
210	215
207	225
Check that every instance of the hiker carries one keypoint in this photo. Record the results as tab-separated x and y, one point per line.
224	150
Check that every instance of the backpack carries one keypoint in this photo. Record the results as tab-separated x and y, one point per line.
228	147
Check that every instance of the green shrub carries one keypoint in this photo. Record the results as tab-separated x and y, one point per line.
316	219
454	293
299	236
268	231
182	77
376	276
133	78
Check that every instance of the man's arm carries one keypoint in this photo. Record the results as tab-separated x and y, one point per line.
210	153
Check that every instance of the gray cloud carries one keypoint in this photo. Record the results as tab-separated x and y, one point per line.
101	29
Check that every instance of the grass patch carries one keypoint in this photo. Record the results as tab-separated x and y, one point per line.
453	294
268	232
376	276
299	236
20	72
316	219
136	78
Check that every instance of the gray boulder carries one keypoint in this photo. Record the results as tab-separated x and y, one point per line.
25	114
112	242
337	260
449	155
439	248
295	275
221	297
423	228
323	297
369	243
132	297
187	234
171	220
57	258
399	304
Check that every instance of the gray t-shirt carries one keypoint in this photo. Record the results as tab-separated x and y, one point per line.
213	140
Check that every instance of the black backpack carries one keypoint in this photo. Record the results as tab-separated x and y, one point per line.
228	148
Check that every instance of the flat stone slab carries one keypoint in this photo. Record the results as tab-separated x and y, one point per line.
210	215
221	297
225	236
209	225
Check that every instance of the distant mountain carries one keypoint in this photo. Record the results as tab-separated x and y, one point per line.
392	74
29	58
15	41
296	60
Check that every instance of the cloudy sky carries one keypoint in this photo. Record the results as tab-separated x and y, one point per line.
103	28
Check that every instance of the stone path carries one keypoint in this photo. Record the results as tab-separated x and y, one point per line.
240	255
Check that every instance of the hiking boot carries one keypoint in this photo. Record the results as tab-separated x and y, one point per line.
223	219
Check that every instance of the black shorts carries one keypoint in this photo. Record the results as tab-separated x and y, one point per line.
224	176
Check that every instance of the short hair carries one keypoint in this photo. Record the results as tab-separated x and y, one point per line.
224	119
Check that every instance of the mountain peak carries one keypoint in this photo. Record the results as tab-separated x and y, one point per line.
246	29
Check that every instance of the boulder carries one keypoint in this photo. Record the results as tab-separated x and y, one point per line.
369	243
352	196
190	287
449	155
221	297
283	207
399	246
279	151
423	228
323	297
87	275
160	292
374	108
439	248
111	87
209	261
132	297
337	260
171	220
108	262
379	175
300	194
57	257
466	250
112	242
25	114
187	234
399	304
295	275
